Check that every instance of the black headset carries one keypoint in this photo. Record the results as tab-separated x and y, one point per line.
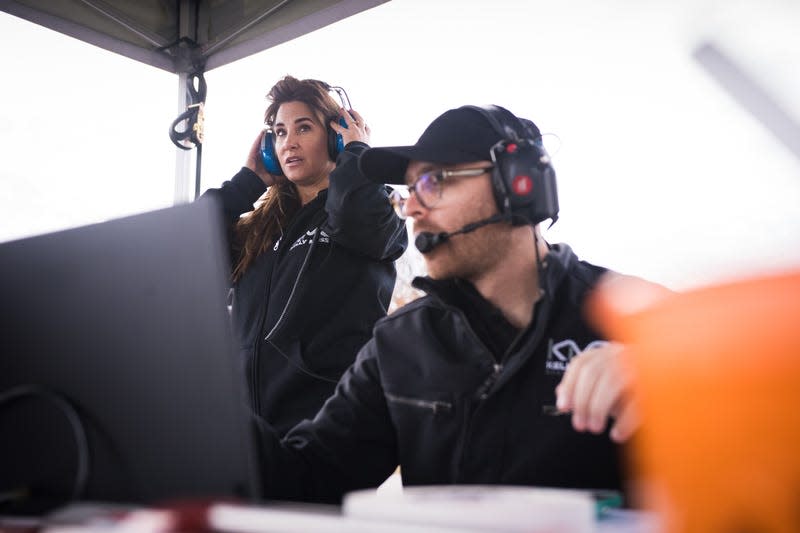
523	179
335	141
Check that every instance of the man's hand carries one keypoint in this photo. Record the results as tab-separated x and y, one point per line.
596	386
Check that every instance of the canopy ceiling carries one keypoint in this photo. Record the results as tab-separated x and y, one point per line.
185	35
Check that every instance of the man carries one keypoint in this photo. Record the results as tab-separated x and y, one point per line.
468	384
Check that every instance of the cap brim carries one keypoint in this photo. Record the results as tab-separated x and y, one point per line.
388	164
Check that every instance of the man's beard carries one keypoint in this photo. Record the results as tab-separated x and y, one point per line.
469	256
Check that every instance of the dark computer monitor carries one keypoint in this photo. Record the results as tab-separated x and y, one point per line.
117	379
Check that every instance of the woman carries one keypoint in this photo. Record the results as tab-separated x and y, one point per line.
314	262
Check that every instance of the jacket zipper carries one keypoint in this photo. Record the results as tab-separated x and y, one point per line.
268	337
435	406
483	391
486	386
257	347
257	351
497	368
286	306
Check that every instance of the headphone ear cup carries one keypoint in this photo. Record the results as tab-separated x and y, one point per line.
524	182
501	197
335	141
268	156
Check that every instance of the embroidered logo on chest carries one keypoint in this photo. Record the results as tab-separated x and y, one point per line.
306	238
560	353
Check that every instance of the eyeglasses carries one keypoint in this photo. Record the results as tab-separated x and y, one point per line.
428	188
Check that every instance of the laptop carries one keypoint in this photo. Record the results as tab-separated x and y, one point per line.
117	376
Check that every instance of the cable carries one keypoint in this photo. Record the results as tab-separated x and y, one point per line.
301	368
540	264
278	322
21	392
285	310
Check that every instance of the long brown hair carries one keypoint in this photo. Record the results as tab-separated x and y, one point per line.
258	230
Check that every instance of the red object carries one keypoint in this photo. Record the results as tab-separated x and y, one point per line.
522	185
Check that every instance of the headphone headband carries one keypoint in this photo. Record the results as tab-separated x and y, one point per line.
340	92
335	141
512	128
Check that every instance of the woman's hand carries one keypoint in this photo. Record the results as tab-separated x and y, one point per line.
356	130
255	163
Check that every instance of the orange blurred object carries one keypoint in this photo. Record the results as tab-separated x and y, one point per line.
718	385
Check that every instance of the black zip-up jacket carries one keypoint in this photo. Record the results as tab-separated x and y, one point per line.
426	394
317	292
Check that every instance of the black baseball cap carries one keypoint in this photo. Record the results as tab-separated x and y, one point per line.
458	135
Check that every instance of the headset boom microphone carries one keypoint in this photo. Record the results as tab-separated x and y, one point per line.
427	241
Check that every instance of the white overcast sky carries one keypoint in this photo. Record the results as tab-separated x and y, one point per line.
661	174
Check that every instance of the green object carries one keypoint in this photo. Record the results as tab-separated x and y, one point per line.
605	500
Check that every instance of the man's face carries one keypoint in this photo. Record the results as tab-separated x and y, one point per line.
463	200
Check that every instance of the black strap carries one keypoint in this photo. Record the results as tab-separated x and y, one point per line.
192	120
192	131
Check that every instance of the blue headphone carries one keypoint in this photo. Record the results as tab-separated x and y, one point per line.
335	141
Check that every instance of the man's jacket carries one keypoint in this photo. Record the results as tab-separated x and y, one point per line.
426	394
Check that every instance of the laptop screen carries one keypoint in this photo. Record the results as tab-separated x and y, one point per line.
117	378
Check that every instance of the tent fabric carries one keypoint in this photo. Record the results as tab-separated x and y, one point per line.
185	35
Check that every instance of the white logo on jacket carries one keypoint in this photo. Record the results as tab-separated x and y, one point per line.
560	353
324	238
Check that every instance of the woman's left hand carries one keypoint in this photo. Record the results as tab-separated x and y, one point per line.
356	130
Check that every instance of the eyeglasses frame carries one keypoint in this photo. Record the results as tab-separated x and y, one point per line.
439	176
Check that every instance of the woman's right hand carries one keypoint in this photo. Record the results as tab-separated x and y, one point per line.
255	163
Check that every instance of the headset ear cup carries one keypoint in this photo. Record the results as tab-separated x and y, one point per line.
530	182
498	184
268	156
524	182
335	141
